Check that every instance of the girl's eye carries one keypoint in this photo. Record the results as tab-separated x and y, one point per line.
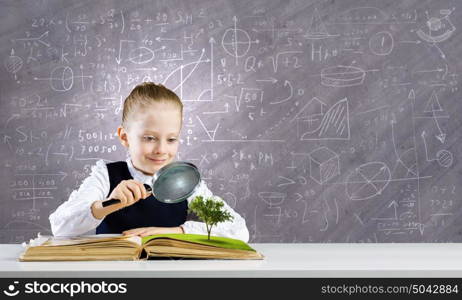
149	138
153	139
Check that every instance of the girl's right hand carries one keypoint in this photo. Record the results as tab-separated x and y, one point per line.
128	192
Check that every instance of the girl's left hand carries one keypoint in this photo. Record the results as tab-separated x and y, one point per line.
145	231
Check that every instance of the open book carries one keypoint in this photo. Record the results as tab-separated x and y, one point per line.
118	247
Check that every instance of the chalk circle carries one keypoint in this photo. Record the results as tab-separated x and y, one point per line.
367	181
272	198
141	55
62	79
236	42
444	158
381	43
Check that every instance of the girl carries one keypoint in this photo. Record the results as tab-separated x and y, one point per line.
151	123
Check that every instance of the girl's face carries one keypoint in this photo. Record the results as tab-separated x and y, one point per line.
152	137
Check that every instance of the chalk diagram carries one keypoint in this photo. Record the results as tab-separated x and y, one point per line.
367	181
62	78
324	164
315	124
34	40
433	110
406	160
183	77
370	180
272	198
13	64
443	157
136	55
143	55
437	29
381	43
236	42
317	29
342	76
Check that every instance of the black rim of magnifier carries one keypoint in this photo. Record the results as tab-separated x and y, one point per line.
162	170
159	173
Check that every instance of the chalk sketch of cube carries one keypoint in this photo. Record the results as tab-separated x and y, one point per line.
324	164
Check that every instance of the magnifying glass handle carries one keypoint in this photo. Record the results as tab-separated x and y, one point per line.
116	201
110	202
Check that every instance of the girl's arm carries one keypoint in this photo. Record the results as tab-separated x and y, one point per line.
75	216
235	229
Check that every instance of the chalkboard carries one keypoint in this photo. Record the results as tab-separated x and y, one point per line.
317	121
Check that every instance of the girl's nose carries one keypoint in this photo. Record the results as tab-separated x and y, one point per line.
160	147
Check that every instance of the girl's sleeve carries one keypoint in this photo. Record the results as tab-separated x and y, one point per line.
74	217
235	228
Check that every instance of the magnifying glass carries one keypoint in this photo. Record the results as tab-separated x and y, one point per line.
172	183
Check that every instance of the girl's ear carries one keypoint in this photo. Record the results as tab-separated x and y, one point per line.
122	134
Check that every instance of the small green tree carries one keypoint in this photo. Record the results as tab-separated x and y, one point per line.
210	211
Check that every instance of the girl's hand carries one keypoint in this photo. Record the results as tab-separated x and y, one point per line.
145	231
129	192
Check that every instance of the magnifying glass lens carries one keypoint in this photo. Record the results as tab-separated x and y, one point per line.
176	182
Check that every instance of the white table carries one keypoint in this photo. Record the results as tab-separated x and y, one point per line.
281	260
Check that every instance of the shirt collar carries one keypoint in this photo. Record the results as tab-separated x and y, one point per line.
138	175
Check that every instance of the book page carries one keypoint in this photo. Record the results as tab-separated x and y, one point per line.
82	239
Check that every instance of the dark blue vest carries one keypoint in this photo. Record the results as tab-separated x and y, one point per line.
144	213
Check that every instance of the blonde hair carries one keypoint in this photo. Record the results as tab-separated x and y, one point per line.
146	94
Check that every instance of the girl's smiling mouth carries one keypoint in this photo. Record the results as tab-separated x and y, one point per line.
157	160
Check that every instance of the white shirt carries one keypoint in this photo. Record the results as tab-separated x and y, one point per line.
74	217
